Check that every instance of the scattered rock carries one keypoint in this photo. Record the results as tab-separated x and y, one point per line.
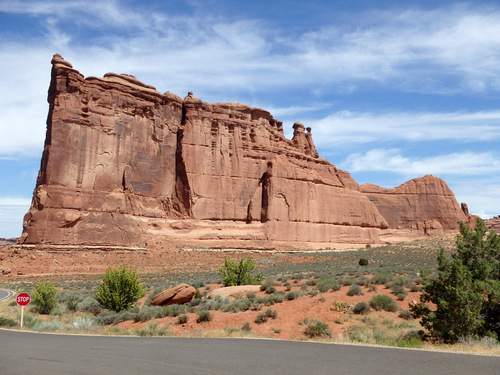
6	271
174	296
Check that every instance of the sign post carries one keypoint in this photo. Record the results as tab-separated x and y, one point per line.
23	299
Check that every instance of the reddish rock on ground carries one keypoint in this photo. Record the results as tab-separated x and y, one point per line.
174	296
124	165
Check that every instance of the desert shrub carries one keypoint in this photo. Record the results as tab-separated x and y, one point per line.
363	262
327	283
182	319
361	308
264	316
72	304
238	274
348	280
317	329
383	302
112	317
343	307
246	327
152	329
355	290
466	292
43	325
217	303
268	286
90	305
287	286
6	322
120	289
406	314
204	316
45	297
83	323
381	278
171	310
294	295
276	297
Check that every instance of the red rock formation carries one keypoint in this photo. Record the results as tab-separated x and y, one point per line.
123	164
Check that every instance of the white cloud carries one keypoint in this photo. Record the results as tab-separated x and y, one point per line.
346	128
391	160
15	201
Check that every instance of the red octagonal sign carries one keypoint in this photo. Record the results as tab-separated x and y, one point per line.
23	299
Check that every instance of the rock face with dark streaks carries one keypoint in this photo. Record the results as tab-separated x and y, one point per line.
124	164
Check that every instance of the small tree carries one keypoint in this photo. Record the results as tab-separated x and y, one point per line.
120	289
238	274
45	297
467	290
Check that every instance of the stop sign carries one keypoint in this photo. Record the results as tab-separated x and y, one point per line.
23	299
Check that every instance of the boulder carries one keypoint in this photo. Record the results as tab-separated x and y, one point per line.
233	291
177	295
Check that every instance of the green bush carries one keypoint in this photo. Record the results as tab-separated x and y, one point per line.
317	329
327	283
363	262
355	290
182	319
6	322
238	274
264	316
204	316
120	289
361	308
383	302
466	292
45	297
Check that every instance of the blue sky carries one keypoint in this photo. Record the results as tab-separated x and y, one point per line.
392	90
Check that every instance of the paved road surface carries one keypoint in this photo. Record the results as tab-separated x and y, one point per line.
24	353
4	294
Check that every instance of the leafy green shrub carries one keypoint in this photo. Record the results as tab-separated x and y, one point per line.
363	262
204	316
317	329
120	289
355	290
361	308
276	297
383	302
45	297
233	274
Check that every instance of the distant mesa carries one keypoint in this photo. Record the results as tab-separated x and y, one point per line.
124	165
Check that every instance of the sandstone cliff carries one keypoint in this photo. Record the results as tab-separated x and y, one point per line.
123	164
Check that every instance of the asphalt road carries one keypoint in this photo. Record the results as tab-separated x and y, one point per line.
24	353
4	294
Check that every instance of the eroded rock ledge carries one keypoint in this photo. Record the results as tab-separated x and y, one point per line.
124	164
